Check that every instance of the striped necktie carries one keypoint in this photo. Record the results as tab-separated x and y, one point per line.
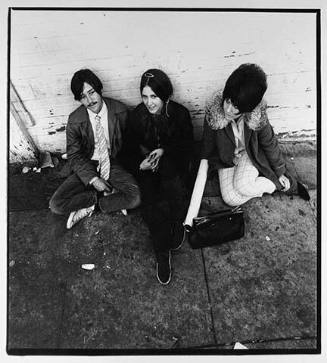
104	161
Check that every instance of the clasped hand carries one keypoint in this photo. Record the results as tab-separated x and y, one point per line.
151	162
102	185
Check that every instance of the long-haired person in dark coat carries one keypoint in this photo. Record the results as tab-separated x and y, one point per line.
160	145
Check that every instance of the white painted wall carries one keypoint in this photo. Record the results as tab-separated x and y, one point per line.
198	50
21	149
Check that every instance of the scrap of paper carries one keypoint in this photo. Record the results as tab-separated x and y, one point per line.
239	346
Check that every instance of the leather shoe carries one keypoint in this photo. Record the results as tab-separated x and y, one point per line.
164	267
302	191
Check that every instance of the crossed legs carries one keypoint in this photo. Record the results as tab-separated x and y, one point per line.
73	195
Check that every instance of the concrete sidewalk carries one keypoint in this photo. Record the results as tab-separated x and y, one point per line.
259	290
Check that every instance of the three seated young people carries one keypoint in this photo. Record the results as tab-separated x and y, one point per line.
121	160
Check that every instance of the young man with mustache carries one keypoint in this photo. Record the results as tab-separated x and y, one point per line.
94	139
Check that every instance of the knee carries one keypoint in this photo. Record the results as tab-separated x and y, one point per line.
229	201
230	198
243	187
134	197
135	202
54	207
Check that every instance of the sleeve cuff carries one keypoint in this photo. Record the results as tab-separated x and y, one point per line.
93	180
280	171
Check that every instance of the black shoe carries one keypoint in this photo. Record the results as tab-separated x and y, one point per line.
302	191
164	267
178	236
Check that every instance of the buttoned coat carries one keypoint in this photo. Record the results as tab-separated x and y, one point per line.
261	144
80	138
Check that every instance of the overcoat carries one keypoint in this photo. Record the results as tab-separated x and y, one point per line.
172	130
80	138
261	144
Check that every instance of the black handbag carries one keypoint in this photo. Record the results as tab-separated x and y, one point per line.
216	228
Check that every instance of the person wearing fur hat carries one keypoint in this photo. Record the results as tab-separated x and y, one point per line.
239	141
160	146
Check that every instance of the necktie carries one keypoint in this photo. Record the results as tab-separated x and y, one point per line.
104	161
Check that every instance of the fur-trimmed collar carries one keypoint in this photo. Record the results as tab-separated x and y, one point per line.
215	115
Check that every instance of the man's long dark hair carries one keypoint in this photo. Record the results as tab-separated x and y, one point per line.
84	76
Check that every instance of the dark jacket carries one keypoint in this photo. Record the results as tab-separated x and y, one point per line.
80	138
173	133
261	144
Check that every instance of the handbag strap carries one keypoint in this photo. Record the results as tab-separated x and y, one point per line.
222	212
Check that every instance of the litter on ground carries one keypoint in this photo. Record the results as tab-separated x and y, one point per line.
88	266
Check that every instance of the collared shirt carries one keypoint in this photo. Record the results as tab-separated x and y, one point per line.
104	122
238	130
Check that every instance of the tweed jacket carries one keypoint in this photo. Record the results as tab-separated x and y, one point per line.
80	138
261	144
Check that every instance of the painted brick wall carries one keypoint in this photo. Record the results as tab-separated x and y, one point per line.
198	50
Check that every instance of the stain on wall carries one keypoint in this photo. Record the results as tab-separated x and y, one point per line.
21	149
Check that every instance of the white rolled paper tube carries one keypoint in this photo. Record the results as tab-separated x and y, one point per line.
197	193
